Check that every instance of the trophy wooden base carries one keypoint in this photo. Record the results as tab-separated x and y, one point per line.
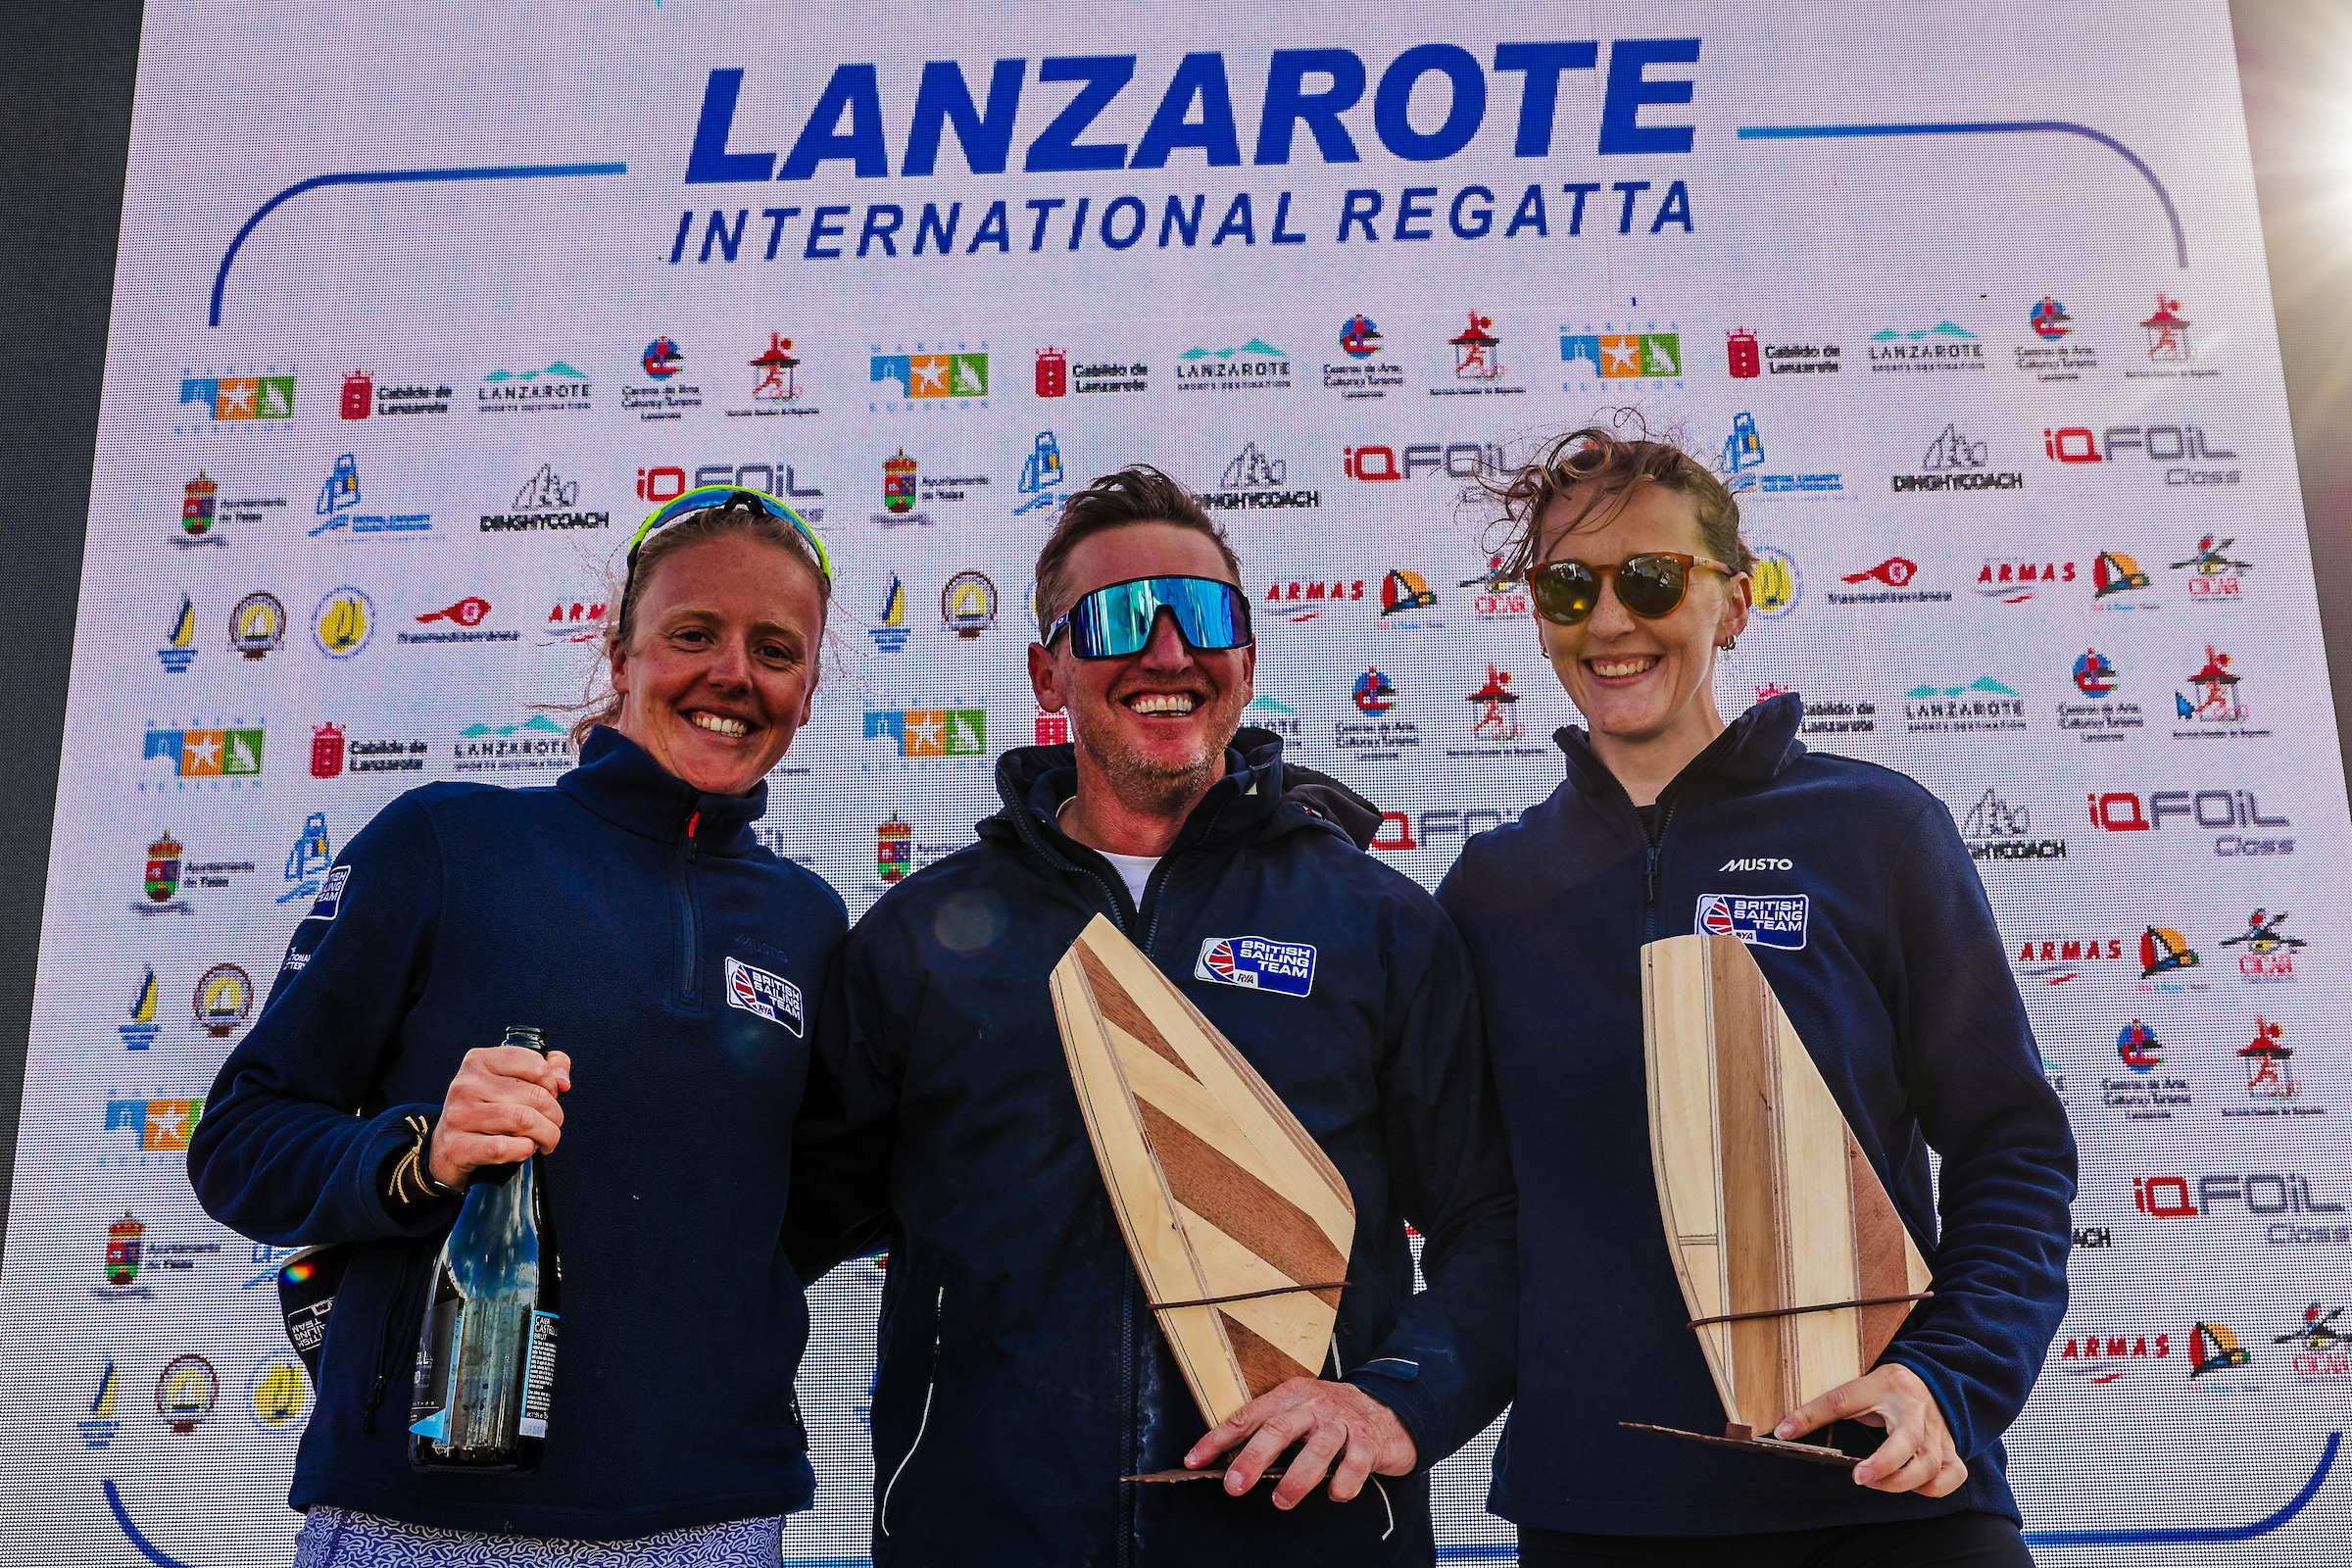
1216	1474
1735	1436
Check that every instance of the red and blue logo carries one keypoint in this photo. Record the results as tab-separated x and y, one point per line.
1775	921
769	996
1258	963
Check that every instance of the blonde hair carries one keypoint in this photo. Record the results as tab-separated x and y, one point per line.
726	521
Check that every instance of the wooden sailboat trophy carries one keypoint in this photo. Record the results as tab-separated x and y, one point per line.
1794	1265
1239	1225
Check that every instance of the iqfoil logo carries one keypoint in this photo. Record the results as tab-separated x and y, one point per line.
1090	113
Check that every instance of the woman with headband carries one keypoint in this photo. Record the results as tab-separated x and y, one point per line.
673	964
1881	949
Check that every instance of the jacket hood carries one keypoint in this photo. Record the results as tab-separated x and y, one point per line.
1261	795
619	781
1755	748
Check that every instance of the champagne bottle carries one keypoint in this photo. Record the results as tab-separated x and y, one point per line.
486	1361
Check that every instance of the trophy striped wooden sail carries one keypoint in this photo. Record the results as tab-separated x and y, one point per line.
1793	1262
1239	1225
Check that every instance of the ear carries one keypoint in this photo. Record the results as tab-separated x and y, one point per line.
1737	601
620	658
1248	674
1045	679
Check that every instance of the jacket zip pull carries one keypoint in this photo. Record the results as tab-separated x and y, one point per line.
939	1331
1649	878
690	843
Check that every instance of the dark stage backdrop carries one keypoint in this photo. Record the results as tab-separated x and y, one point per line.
418	310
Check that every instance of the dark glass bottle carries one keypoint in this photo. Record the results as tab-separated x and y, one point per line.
486	1361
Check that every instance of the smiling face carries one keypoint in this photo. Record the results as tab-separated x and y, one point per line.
722	662
1155	723
1642	684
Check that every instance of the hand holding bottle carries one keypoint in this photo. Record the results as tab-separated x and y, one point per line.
501	1108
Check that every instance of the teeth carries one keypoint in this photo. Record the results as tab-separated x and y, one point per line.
721	726
1176	702
1615	667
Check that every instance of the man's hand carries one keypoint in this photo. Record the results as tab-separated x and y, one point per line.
501	1108
1338	1420
1918	1455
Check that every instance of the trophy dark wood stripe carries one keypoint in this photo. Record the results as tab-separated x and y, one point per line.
1119	1008
1239	1204
1879	1268
1748	1094
1264	1367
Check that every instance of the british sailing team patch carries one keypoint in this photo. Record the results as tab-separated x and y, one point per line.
1774	920
1258	962
770	996
330	895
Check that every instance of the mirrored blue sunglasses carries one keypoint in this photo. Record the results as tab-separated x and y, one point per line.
1115	622
709	496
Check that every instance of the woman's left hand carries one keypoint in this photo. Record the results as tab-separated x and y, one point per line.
1918	1455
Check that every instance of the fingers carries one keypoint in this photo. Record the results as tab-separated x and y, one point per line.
1948	1480
1324	1441
1235	1427
1263	1448
1354	1465
1836	1404
501	1108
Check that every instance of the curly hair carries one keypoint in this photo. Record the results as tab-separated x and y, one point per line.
1593	469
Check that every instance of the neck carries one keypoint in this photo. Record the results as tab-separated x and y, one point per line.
1100	818
1646	763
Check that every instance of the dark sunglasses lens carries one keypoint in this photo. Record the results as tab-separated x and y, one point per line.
1116	621
1564	591
1212	615
1650	585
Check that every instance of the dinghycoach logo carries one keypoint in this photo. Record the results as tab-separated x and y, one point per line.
1258	963
1773	922
770	996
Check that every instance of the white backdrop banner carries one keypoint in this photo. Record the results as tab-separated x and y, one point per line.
419	308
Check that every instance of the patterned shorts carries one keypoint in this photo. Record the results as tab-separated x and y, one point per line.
336	1538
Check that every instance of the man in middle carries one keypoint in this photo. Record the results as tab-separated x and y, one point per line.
1020	1371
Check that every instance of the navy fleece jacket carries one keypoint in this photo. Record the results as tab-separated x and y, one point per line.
1897	979
630	916
1021	1370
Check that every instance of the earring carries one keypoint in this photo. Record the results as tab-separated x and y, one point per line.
1728	644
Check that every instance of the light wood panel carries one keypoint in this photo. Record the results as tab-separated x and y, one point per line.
1219	1192
1768	1202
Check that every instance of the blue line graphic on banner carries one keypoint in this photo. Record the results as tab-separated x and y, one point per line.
147	1548
1979	127
392	177
2184	1535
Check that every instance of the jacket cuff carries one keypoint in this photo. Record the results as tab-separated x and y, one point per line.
1946	1389
404	1182
1395	1383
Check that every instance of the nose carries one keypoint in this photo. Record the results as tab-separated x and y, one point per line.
1167	649
730	665
1610	617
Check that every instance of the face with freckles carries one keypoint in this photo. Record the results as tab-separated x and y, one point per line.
722	660
1642	683
1156	723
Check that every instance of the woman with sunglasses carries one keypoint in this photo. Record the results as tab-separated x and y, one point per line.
673	964
1884	955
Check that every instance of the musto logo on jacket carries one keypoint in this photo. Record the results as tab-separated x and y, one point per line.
1776	921
1258	962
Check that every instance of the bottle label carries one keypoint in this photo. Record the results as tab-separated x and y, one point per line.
539	1375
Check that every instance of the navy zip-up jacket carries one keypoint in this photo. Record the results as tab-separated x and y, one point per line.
614	909
1903	993
1020	1372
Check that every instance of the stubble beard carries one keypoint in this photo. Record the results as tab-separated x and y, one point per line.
1151	786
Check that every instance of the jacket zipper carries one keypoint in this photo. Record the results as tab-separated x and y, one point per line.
939	1313
690	966
387	1335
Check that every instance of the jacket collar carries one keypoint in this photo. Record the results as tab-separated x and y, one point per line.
1755	748
1261	794
619	781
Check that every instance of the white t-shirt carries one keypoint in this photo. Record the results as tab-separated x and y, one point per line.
1134	870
